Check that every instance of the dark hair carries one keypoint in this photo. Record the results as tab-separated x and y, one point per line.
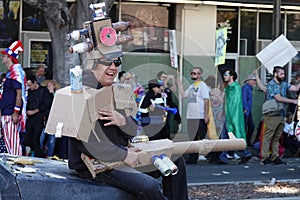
120	74
276	69
158	75
289	114
32	79
154	83
232	73
28	72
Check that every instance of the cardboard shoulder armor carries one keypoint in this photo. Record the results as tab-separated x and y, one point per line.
74	115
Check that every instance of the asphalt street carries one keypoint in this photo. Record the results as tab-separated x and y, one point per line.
253	171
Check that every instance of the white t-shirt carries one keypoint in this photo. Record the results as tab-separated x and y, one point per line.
289	128
195	97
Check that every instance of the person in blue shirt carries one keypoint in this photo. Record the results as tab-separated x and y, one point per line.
276	89
247	98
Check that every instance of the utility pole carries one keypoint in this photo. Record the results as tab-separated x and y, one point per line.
276	22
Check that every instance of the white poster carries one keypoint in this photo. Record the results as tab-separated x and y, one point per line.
173	48
278	53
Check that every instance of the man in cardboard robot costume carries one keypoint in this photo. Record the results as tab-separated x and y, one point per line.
108	140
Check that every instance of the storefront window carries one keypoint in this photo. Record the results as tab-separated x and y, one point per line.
296	65
293	26
266	25
230	15
9	22
149	27
33	19
248	33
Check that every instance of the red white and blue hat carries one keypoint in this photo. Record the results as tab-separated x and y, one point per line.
14	50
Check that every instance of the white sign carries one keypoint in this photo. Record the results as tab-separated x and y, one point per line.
173	49
278	53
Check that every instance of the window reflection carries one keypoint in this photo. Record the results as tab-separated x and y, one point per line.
296	65
9	22
33	19
293	26
230	15
149	27
248	33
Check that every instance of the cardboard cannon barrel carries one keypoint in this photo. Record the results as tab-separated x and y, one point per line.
168	147
206	146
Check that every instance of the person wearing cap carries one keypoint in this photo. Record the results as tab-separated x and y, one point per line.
153	120
247	97
197	115
108	141
13	99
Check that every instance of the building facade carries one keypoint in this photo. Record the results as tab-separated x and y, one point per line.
194	23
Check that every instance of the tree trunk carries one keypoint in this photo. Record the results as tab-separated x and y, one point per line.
60	22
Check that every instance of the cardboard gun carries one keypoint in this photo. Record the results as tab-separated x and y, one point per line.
169	148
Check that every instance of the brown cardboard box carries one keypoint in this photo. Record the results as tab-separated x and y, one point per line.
78	112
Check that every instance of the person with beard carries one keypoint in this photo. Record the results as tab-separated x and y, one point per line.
197	109
276	89
234	113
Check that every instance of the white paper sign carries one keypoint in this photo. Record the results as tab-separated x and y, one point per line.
278	53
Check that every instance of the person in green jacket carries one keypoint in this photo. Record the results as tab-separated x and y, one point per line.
234	111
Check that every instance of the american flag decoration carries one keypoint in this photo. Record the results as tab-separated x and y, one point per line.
14	50
297	129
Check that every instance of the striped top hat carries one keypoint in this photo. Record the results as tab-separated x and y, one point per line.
14	50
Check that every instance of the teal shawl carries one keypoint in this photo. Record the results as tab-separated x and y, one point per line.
234	110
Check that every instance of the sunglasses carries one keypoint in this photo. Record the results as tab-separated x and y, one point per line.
194	73
226	74
117	63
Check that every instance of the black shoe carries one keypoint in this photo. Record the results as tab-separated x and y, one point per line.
266	161
278	161
244	160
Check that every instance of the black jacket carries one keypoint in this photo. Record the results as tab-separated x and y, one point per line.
113	139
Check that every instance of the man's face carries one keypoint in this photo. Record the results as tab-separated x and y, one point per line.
227	77
252	82
157	90
280	75
107	72
5	58
122	78
163	77
30	85
195	74
41	71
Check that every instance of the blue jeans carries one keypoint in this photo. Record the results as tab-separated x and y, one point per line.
50	142
133	181
224	135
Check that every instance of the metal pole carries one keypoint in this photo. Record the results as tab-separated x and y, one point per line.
276	19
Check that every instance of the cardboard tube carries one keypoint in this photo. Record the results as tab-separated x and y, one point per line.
206	146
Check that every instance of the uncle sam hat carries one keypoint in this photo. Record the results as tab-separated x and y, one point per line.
14	50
